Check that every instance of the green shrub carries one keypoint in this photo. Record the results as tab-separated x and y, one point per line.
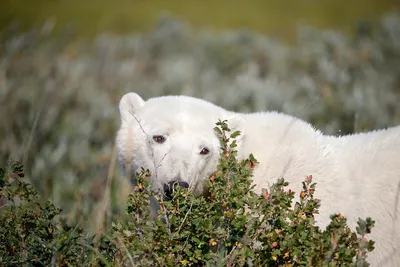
29	233
63	92
232	226
229	226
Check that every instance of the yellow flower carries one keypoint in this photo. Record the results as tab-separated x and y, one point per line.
286	255
212	242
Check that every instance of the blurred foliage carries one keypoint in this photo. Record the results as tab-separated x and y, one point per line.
231	226
59	95
279	18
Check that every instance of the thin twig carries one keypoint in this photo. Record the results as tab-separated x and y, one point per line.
184	219
126	251
156	174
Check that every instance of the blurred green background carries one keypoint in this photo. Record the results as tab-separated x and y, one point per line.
279	18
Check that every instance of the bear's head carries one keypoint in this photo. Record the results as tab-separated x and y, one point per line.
173	137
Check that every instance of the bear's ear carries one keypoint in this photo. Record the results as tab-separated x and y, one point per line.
129	104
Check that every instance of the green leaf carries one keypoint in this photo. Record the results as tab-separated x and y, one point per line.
235	134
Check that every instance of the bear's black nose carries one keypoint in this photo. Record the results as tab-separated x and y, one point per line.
169	188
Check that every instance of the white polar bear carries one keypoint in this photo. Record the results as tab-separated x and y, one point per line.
357	175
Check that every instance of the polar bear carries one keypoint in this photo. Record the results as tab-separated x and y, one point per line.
357	175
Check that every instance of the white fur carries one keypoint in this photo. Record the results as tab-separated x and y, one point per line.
357	175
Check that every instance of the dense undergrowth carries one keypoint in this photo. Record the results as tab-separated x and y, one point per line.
231	226
59	95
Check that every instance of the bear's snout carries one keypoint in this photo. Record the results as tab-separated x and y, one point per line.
170	187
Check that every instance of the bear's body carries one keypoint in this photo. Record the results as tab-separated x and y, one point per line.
357	175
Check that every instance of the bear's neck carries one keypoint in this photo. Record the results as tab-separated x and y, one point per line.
290	148
285	147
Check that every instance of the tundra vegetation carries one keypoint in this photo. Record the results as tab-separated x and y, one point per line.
58	118
231	226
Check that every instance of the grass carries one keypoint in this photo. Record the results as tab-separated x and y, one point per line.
279	18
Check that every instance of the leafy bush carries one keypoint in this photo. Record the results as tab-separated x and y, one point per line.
232	226
229	226
29	233
62	92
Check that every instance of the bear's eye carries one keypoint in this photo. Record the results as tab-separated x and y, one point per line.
159	139
204	151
